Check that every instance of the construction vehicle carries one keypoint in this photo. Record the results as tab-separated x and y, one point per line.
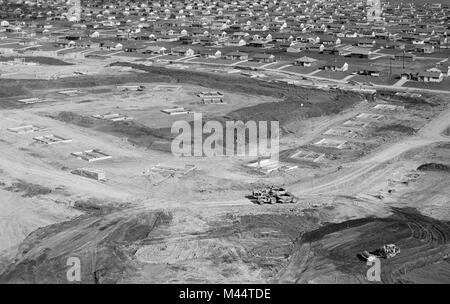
386	252
272	195
265	199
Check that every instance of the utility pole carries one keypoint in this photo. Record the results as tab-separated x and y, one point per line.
390	67
404	52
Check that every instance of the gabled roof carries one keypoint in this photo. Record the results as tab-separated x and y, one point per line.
306	59
262	56
236	53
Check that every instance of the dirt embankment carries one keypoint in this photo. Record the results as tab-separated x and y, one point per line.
27	189
424	102
330	254
22	87
447	132
322	104
136	133
37	59
104	244
395	128
128	246
434	167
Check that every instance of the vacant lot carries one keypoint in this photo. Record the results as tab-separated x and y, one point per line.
444	85
40	60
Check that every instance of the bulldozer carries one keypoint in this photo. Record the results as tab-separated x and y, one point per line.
266	199
386	252
272	195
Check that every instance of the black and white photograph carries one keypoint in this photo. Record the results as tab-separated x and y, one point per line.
253	144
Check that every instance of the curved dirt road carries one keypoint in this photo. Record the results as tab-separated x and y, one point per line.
431	133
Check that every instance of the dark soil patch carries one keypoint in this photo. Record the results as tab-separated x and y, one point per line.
40	60
423	241
434	167
447	132
106	260
28	189
397	128
136	133
94	206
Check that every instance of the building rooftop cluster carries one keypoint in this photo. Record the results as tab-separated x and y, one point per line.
227	29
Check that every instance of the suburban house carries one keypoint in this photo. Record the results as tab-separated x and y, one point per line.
335	66
318	47
258	43
236	56
396	45
425	49
330	41
354	52
443	67
210	54
305	61
409	75
374	72
110	46
235	42
154	50
133	47
433	76
295	48
262	58
167	38
182	51
366	43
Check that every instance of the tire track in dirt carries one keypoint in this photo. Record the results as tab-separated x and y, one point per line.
432	133
331	252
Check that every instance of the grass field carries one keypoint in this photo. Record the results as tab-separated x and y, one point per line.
332	75
382	80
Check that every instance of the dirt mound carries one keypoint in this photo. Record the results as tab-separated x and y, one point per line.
331	252
447	132
434	167
398	128
122	246
410	102
95	206
28	189
104	246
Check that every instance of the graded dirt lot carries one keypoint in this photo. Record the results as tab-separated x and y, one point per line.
377	173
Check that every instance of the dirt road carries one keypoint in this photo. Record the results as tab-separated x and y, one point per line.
431	133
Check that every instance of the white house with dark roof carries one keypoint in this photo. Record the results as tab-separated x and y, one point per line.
305	61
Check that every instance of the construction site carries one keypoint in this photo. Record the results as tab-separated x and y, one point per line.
86	171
